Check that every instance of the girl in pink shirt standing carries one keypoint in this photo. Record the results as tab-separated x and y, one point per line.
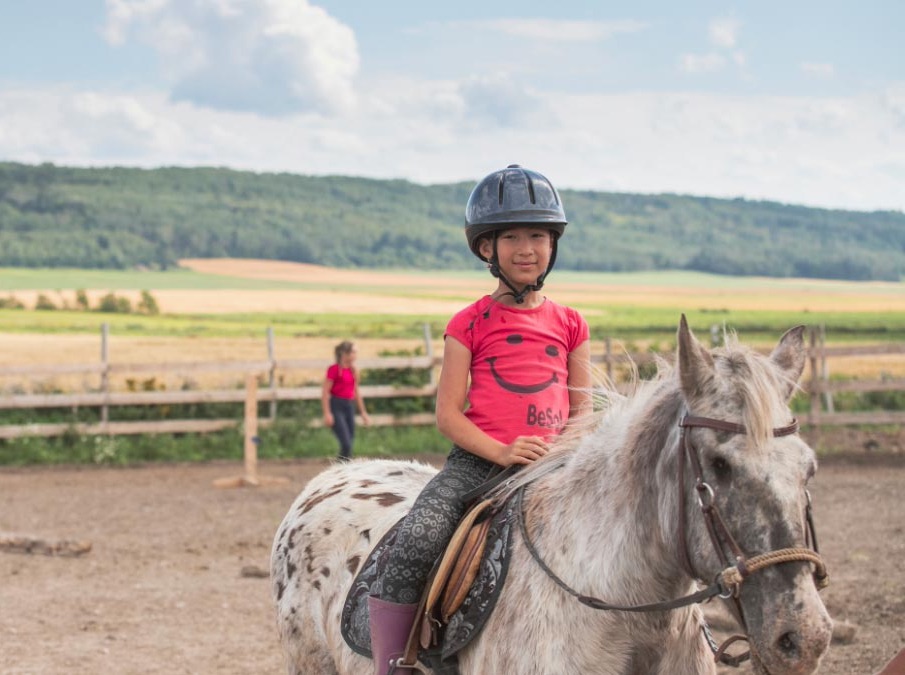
340	395
527	360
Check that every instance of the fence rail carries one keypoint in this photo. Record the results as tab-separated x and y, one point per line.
817	385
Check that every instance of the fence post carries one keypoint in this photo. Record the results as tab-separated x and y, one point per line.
429	351
251	429
271	351
825	372
250	446
814	386
105	372
608	359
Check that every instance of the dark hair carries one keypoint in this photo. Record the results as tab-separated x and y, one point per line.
343	347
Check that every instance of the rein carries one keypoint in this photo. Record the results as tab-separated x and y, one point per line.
728	582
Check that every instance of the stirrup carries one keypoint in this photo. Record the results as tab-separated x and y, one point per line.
399	663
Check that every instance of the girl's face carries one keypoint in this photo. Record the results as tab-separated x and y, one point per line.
523	253
346	359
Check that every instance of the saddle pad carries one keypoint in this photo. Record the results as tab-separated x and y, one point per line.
475	609
354	619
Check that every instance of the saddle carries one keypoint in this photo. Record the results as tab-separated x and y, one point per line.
461	592
453	576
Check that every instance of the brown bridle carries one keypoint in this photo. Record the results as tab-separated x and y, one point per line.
736	570
728	582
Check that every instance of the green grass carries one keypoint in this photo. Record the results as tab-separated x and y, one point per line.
618	322
49	279
284	440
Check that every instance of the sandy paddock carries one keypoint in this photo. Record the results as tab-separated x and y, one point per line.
171	584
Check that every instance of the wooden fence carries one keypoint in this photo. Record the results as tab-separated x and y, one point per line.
818	386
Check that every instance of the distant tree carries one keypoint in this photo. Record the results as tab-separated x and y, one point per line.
81	300
147	304
122	218
44	303
11	302
113	304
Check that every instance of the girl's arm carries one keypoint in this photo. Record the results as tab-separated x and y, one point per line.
325	401
452	422
360	401
581	401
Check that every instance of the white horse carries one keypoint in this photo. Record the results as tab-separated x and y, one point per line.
697	476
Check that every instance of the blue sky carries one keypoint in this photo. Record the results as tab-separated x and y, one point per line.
798	102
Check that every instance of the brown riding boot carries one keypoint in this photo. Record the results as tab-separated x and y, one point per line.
390	625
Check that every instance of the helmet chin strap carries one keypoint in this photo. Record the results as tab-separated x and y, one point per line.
519	295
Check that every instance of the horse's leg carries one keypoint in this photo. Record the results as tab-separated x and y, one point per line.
304	646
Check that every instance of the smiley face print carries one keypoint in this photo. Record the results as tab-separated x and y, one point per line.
530	388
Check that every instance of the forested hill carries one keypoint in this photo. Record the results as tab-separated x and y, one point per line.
54	216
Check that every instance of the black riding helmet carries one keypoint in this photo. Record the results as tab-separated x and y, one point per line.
508	198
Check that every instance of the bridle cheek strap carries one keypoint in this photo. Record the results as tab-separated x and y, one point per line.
735	571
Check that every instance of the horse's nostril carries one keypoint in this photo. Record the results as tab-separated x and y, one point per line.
788	644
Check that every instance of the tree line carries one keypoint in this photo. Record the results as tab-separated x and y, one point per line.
118	218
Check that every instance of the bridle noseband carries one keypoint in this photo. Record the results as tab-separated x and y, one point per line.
735	571
716	526
728	582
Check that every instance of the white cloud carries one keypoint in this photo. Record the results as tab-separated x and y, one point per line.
498	100
551	30
268	56
820	70
724	32
892	102
702	63
846	152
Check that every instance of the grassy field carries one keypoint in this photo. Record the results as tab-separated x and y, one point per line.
222	309
236	297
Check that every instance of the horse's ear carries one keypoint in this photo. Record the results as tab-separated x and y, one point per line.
790	356
693	361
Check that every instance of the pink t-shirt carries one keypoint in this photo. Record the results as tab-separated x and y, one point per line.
343	381
519	366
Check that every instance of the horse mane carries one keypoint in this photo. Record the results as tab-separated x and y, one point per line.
612	408
760	385
745	375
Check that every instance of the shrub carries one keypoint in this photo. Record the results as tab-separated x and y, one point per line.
113	304
44	303
81	300
148	305
11	302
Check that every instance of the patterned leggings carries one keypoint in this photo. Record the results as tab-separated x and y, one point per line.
429	526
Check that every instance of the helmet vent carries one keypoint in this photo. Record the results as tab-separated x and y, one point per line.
530	189
500	191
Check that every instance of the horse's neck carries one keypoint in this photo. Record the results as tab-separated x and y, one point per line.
604	518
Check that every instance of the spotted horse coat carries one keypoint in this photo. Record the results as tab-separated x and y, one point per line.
320	546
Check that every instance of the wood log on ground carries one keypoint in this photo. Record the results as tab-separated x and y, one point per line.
23	543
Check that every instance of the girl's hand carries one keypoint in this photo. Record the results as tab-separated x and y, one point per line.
365	419
328	420
524	450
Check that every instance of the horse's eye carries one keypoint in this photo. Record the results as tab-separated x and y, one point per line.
720	467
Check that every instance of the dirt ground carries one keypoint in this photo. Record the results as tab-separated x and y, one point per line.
171	584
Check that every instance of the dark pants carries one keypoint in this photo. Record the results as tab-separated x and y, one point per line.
429	526
343	410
